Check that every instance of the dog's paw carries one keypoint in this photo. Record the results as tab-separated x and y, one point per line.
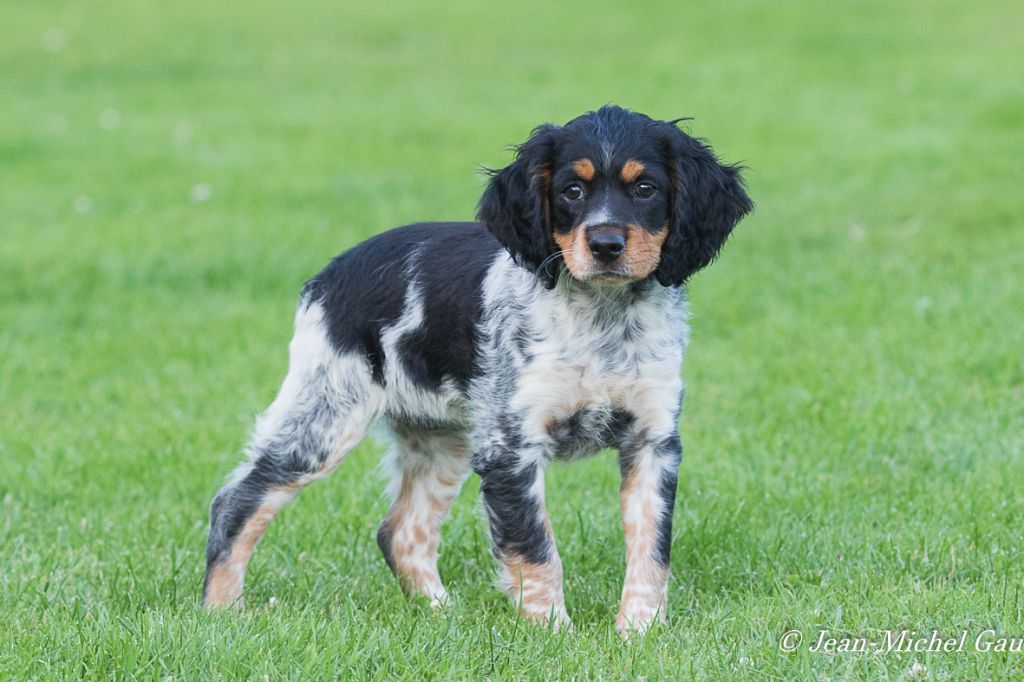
637	621
554	617
440	600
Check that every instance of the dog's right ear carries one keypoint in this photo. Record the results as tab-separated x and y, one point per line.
708	200
514	207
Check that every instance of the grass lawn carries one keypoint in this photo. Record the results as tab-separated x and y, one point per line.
171	173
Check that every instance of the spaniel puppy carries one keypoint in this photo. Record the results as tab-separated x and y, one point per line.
553	328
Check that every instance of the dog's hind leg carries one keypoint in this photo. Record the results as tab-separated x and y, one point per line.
322	411
428	469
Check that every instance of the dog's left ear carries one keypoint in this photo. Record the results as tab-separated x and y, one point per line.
708	200
514	207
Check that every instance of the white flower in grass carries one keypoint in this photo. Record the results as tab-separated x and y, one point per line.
57	124
272	602
201	192
182	132
917	671
907	82
110	119
55	39
82	204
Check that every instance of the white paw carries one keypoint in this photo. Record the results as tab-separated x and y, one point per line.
440	600
637	621
555	617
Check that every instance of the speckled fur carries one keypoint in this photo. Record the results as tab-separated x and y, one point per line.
488	348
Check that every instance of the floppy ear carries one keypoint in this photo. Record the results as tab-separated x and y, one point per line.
514	207
708	200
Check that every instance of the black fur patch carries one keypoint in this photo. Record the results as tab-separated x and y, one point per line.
384	535
517	525
450	270
672	449
364	291
587	431
669	482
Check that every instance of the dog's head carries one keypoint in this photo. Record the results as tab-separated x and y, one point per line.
618	197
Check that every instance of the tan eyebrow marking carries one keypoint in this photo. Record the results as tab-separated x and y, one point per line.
631	170
584	168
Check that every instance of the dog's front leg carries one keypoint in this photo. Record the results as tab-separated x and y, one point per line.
648	493
512	488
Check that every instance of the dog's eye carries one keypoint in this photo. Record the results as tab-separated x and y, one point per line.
645	190
572	193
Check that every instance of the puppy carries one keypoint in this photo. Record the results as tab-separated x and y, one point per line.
553	328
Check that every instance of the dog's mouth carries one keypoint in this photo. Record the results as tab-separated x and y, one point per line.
611	277
612	274
608	281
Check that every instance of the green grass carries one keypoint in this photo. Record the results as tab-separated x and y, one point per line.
855	415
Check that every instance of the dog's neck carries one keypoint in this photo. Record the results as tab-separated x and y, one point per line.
615	307
614	295
590	309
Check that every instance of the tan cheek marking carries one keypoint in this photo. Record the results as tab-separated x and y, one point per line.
574	250
643	249
584	168
631	170
564	242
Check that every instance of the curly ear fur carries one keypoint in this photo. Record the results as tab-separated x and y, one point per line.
514	207
708	200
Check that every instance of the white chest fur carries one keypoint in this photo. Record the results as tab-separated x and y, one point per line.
584	359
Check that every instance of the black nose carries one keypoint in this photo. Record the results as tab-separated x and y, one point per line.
607	246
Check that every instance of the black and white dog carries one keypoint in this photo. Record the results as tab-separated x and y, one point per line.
553	328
